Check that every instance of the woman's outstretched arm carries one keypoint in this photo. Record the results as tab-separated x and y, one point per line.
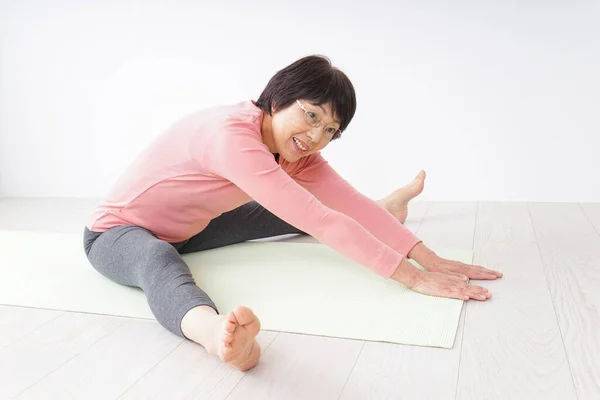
238	155
317	176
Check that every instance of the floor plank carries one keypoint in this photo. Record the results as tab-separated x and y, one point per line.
16	322
300	367
592	211
190	373
27	361
111	365
389	371
512	348
570	250
449	224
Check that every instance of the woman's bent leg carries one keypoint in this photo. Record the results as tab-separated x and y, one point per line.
247	222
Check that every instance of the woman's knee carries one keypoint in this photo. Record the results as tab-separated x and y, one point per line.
160	267
121	253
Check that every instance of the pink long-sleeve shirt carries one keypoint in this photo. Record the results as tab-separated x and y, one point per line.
214	160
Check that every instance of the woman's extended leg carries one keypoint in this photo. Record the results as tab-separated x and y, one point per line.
133	256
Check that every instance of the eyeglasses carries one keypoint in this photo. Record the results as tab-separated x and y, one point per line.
313	119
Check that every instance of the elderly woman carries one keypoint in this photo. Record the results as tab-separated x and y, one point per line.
252	170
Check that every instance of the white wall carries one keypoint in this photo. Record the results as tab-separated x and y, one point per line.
496	101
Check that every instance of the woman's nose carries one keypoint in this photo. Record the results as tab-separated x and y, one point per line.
315	134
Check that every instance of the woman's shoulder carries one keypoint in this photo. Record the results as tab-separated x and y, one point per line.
223	113
217	120
304	164
243	111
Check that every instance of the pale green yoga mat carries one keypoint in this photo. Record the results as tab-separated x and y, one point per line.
292	287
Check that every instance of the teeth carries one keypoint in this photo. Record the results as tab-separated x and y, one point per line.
300	144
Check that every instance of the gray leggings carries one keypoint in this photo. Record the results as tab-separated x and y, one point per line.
133	256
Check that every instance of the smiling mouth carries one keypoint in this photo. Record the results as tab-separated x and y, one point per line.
300	145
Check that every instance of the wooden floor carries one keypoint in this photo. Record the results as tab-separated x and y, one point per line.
537	338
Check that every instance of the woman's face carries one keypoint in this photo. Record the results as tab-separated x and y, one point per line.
293	135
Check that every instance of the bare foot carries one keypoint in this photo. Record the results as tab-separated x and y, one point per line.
397	202
237	343
231	337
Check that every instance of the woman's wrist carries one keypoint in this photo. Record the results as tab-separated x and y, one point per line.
423	255
406	273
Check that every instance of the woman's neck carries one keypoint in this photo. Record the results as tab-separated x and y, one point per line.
266	131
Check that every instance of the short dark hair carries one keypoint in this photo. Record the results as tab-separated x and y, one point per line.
312	78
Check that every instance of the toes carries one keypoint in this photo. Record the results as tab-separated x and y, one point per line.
420	178
230	327
417	184
248	320
231	317
227	339
244	315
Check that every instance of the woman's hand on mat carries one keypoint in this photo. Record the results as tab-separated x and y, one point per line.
434	263
444	285
437	283
461	270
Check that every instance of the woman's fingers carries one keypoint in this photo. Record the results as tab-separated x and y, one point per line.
456	268
445	285
460	276
484	273
476	292
465	290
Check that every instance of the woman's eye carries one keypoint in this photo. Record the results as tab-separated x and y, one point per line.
331	131
312	115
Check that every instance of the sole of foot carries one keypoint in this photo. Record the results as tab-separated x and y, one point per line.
235	338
